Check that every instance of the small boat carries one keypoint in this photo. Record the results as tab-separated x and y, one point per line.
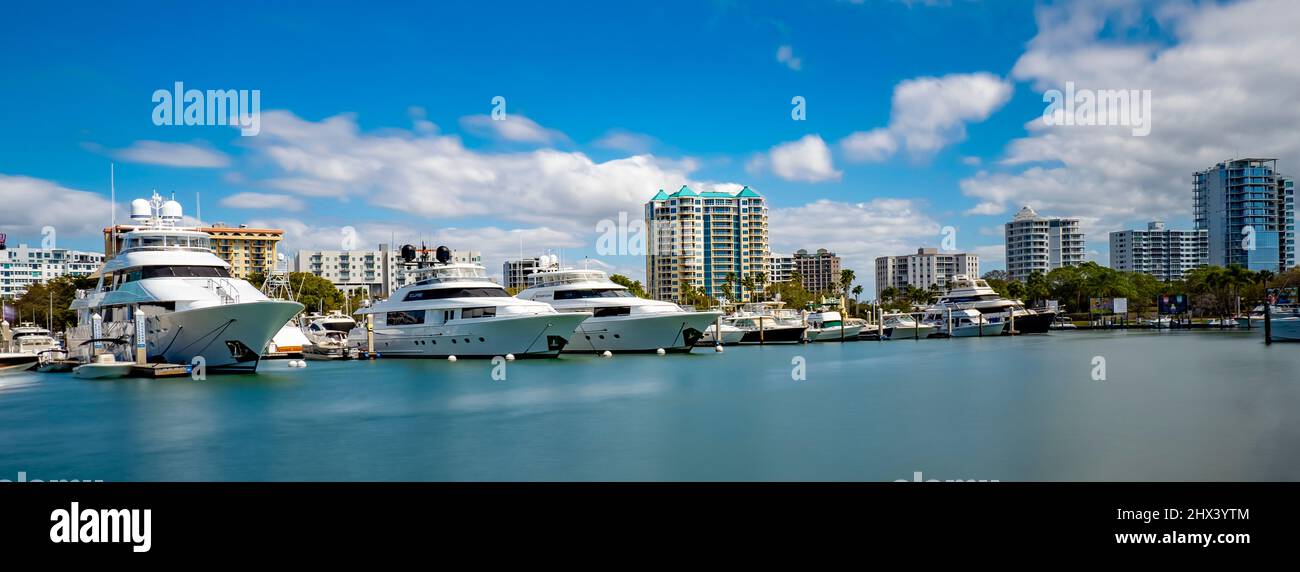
16	362
967	323
1063	323
762	326
905	327
1286	329
55	361
105	366
723	334
831	327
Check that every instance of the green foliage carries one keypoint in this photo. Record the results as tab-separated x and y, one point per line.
633	286
316	293
34	305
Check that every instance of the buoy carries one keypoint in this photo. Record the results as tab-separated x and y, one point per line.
451	358
607	354
510	357
302	363
660	351
718	348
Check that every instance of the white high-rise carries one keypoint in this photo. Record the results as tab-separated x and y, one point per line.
378	271
704	239
1166	254
23	266
1041	244
925	268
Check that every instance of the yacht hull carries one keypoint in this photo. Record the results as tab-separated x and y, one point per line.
834	334
774	335
1037	323
908	332
673	332
227	337
975	331
1285	329
15	363
541	335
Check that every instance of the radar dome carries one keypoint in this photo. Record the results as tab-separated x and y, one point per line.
171	210
140	210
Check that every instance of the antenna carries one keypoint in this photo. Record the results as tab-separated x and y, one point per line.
112	192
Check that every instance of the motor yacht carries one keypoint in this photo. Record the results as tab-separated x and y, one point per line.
905	327
968	323
829	326
620	321
761	325
327	336
192	307
966	292
1255	319
721	334
452	309
32	339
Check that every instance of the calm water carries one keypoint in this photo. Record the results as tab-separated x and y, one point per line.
1175	406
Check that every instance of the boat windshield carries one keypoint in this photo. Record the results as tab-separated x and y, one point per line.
592	293
566	277
436	274
443	293
177	272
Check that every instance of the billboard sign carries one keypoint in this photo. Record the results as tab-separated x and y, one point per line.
1172	304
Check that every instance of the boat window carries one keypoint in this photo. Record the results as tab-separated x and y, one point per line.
615	311
339	326
470	313
177	272
592	293
407	318
441	293
146	241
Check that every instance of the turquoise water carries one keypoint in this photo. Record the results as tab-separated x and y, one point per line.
1174	406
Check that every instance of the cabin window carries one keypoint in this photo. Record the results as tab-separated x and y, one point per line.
607	312
470	313
441	293
184	272
592	293
407	318
150	241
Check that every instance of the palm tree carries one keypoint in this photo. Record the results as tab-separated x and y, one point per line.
760	278
847	277
747	287
729	286
857	293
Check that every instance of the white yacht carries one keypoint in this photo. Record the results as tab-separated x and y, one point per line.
965	293
451	309
721	334
761	324
1255	320
32	339
192	305
829	326
1286	329
327	335
904	327
968	323
620	321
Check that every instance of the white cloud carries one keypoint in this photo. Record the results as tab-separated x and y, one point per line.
807	160
857	232
199	155
1219	90
785	55
513	127
263	201
930	113
28	204
620	140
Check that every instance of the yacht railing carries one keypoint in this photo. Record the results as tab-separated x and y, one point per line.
222	292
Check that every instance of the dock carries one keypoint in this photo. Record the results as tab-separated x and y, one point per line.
160	370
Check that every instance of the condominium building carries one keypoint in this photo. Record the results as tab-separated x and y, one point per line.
247	250
706	241
377	271
1161	252
820	270
23	266
924	269
514	273
782	266
1249	211
1041	244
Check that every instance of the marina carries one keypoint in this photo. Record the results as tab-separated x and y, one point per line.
1175	405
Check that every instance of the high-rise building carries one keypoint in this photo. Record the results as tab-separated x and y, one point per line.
1249	211
782	266
378	271
820	270
22	266
1042	244
514	273
1164	253
702	239
924	269
247	250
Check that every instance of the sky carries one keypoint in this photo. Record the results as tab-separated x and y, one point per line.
921	120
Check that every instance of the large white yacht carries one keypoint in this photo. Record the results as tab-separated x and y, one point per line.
765	323
32	339
452	309
620	322
193	306
967	293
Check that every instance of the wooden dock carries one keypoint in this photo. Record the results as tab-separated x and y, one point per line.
160	370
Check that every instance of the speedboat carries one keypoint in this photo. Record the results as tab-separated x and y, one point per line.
1255	320
969	323
620	321
966	292
829	326
762	326
721	334
193	310
1063	323
905	327
105	366
326	336
452	309
865	330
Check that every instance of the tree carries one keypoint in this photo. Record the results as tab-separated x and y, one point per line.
729	286
35	304
747	287
760	278
633	286
847	276
857	294
316	293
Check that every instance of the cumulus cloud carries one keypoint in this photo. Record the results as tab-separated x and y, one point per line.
263	201
188	155
30	204
513	127
807	160
928	114
620	140
1218	91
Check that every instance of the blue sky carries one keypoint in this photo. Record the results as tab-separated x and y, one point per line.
373	116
